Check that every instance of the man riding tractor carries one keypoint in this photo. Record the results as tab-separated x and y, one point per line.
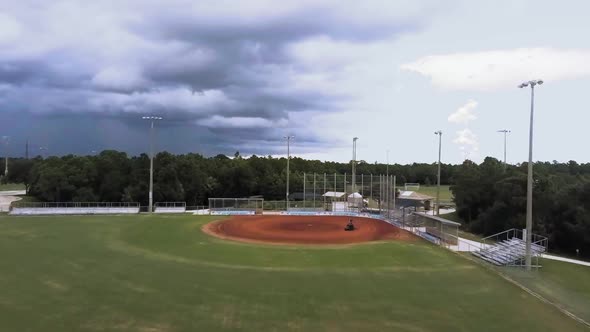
349	226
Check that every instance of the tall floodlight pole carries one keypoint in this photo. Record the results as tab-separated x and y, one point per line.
387	186
288	138
505	131
152	119
439	133
353	164
5	138
529	189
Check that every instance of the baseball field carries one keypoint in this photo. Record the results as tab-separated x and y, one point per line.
163	273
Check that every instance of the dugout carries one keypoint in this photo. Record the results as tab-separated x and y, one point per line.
235	206
445	231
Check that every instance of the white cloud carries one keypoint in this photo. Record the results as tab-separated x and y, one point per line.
464	114
468	143
161	101
120	79
217	121
501	69
10	29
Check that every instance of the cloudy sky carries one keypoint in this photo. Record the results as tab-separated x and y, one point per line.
76	77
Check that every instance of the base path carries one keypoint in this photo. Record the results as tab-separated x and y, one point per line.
305	230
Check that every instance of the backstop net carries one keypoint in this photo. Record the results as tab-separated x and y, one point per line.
234	206
345	193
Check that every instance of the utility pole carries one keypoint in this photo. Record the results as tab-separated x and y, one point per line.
529	191
439	133
288	138
152	119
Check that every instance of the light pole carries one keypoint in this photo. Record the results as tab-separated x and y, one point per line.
152	119
505	131
5	138
439	133
353	164
288	138
529	187
387	186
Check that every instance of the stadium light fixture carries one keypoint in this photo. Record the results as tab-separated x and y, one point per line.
288	138
529	200
439	133
152	119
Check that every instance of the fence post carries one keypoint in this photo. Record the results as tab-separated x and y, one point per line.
324	191
314	182
394	191
303	189
335	182
372	186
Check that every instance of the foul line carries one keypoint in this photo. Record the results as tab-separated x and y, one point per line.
529	291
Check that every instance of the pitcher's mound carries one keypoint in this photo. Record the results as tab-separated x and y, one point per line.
304	230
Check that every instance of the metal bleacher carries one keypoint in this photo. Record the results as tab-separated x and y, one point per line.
170	207
74	208
511	251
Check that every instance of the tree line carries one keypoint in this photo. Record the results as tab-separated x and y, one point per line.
113	176
491	198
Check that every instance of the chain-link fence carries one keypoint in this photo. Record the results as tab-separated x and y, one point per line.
368	192
236	205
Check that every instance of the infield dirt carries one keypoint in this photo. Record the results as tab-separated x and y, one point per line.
315	230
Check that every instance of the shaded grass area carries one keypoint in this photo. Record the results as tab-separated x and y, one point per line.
464	234
28	199
161	273
564	283
12	186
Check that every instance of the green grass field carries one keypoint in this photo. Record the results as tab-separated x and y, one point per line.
12	186
162	273
445	192
559	282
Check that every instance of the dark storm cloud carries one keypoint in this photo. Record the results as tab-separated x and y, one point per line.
221	82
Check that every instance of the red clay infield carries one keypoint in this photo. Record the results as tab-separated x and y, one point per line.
304	230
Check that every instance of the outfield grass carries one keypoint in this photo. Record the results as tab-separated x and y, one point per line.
564	283
161	273
12	186
445	192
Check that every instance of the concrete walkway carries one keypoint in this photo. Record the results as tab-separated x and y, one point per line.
7	197
563	259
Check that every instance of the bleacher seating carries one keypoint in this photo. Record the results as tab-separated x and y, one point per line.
30	211
170	209
508	252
